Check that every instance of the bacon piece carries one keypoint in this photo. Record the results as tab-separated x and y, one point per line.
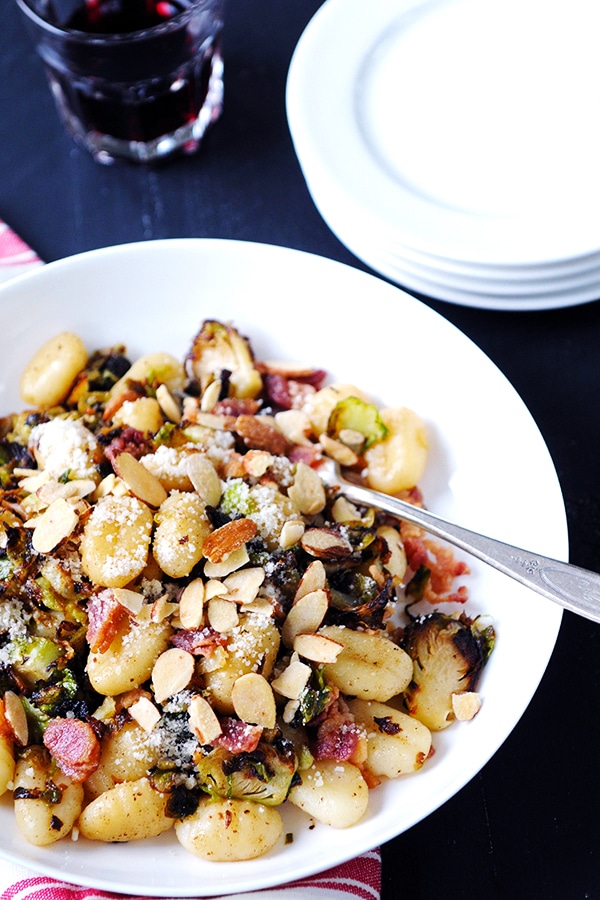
337	735
238	736
74	746
199	641
130	440
312	456
105	615
236	406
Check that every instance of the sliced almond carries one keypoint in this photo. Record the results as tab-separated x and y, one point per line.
253	700
307	492
291	533
243	586
53	526
162	608
145	713
314	579
222	614
76	489
292	680
14	713
204	478
344	511
203	721
325	543
229	537
337	450
214	588
131	600
32	480
142	483
295	425
235	560
211	395
172	672
305	616
260	433
256	462
262	606
287	369
466	705
191	604
317	648
168	404
397	563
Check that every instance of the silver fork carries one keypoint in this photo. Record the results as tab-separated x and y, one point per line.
576	589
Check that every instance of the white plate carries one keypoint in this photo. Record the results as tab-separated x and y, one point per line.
486	455
462	128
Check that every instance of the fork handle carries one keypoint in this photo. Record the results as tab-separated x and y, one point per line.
574	588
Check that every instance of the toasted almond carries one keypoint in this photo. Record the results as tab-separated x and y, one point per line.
217	660
131	600
307	492
222	614
145	713
142	483
76	489
214	588
14	713
235	560
256	462
397	563
229	537
33	480
317	647
211	395
262	606
168	404
337	450
214	422
287	369
204	478
162	608
344	511
325	543
289	711
203	721
260	433
305	616
54	525
314	579
291	533
172	672
253	700
191	604
292	680
295	425
466	705
242	586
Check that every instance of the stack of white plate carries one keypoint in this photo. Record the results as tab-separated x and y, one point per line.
454	145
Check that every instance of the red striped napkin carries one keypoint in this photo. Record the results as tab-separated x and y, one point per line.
16	257
361	877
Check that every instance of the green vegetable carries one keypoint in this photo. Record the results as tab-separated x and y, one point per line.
353	414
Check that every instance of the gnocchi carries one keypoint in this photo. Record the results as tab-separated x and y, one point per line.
216	633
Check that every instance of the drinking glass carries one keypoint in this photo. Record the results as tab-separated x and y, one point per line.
134	79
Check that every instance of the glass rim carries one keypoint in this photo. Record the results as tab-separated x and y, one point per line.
95	37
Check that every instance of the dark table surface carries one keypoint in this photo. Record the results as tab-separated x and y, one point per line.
527	825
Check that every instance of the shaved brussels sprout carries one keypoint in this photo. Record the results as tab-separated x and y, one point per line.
354	415
449	654
218	349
